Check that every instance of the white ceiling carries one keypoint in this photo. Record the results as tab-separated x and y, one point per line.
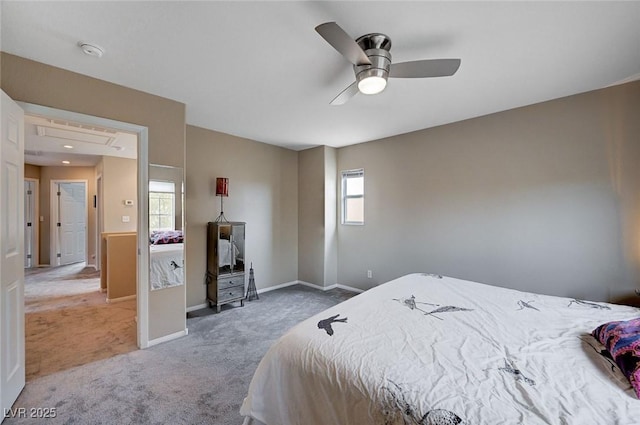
49	141
260	71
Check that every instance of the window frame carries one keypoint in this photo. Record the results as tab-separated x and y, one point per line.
345	175
172	215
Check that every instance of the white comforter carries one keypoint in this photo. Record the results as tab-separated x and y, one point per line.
428	350
226	255
166	265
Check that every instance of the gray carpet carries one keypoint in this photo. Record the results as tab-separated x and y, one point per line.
68	322
198	379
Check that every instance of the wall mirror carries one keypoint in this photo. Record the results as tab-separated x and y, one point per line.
166	238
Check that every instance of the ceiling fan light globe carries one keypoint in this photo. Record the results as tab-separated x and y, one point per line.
372	85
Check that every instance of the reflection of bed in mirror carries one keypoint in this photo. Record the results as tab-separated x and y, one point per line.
166	259
227	256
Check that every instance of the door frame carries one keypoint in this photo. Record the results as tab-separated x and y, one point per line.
97	204
35	253
54	240
143	201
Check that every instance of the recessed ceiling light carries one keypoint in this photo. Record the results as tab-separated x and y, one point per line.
68	146
66	162
91	49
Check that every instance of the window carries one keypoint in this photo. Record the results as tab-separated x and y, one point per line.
353	197
161	205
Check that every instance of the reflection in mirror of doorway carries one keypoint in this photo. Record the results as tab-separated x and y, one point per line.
166	237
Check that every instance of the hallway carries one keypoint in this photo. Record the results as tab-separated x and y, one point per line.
68	322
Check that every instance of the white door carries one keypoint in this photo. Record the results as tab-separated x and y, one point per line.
73	222
30	223
12	372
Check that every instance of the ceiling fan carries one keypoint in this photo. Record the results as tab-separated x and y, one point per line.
372	65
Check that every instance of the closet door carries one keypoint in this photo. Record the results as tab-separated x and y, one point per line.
73	222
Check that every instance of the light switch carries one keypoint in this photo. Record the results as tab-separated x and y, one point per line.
125	218
128	202
41	218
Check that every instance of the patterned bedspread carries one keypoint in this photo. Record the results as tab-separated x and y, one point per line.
425	349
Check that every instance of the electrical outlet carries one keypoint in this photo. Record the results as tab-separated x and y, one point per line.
369	274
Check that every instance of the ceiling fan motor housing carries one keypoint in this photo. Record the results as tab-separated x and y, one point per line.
376	46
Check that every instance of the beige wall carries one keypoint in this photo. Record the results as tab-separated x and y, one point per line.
263	192
330	216
32	171
544	198
311	215
317	227
119	183
34	82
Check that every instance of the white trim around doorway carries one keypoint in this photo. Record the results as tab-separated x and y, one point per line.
143	203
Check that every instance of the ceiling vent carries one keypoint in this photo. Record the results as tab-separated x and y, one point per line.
83	126
77	134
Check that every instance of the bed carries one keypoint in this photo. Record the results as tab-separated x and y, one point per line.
166	259
226	255
426	349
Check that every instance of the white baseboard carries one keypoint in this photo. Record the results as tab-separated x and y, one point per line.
350	288
117	300
286	284
310	285
282	285
197	307
314	286
168	337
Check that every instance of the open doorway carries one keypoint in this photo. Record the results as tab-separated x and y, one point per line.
67	317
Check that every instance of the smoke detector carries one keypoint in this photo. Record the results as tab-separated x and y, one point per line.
91	49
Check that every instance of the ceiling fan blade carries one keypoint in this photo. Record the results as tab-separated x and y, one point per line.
425	68
343	43
345	95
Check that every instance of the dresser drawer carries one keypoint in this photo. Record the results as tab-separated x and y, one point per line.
230	293
228	282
